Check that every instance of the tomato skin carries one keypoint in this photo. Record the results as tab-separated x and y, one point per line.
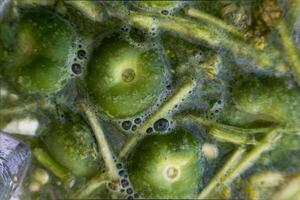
166	166
73	146
37	61
123	80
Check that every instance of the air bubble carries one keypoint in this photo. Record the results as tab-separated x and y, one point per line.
129	191
137	120
165	12
161	125
81	54
134	127
121	173
125	28
76	68
126	125
124	183
119	166
149	130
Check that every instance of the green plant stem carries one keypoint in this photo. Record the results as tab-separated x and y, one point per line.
36	2
236	135
90	9
52	166
208	122
231	137
218	178
198	14
93	185
162	112
249	159
19	109
103	145
290	50
228	175
212	35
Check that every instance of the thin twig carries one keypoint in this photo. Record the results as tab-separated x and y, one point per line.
19	109
290	50
198	14
162	112
249	159
228	133
240	139
218	178
226	176
103	145
54	167
93	185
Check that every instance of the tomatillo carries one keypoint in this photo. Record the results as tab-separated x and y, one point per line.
166	166
37	60
123	80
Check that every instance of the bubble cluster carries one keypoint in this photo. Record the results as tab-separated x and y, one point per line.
80	54
215	111
125	183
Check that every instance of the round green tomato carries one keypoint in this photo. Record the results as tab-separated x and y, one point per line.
270	97
166	166
73	146
37	62
123	80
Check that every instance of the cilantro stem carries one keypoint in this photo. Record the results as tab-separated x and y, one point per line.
162	112
103	145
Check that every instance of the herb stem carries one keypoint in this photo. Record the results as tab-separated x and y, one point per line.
162	112
93	185
90	9
53	166
212	35
198	14
291	51
103	145
239	139
235	135
19	109
249	159
243	162
218	178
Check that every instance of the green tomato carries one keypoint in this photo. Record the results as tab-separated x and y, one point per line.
37	63
166	166
270	97
123	80
73	146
